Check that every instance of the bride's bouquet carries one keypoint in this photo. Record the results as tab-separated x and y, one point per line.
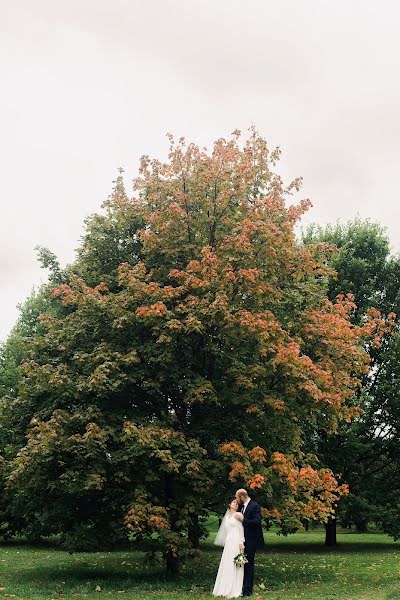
240	559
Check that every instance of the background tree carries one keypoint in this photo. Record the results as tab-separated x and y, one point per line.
14	411
367	450
194	366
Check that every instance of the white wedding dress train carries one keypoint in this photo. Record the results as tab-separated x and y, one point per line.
229	581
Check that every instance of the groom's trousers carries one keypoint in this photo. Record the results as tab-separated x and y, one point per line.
248	575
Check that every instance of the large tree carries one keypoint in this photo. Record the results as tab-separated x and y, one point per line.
193	366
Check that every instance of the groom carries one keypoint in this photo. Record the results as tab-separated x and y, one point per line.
249	512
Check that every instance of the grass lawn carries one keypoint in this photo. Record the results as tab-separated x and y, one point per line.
363	566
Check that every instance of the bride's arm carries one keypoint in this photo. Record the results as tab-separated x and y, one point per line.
241	533
241	538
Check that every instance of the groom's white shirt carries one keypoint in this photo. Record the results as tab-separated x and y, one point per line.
245	505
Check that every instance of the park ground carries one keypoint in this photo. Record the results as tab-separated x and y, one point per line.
363	566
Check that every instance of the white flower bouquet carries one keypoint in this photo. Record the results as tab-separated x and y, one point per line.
240	559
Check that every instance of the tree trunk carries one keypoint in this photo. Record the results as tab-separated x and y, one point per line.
172	564
34	538
172	559
330	532
305	523
194	532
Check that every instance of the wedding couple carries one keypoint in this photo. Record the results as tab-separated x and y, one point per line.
240	531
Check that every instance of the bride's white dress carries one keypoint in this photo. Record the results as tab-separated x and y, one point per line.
229	581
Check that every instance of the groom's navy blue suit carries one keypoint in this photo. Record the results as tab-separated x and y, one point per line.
253	539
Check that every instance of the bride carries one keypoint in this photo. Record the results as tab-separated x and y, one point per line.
229	581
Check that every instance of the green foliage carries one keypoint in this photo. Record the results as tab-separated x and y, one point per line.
48	260
362	262
110	238
367	451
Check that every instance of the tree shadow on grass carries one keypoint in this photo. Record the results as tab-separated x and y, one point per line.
111	581
315	548
80	575
199	573
346	547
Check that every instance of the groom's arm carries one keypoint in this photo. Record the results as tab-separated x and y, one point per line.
253	520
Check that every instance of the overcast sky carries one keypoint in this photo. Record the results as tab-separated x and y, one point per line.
90	85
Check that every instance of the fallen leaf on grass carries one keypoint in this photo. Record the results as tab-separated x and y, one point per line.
262	586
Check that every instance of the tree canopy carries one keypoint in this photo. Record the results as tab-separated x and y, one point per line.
193	342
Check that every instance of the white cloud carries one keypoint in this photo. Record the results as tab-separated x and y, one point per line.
89	85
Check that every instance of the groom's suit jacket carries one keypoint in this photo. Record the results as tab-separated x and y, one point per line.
252	523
